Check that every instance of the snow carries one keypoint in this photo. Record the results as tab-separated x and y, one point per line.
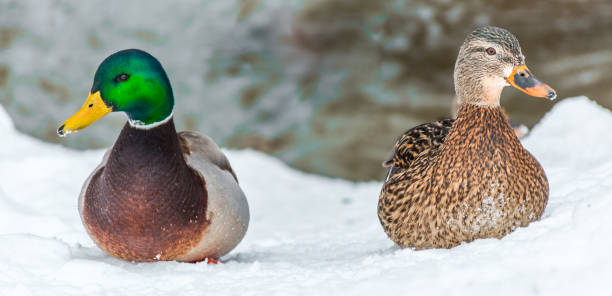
311	235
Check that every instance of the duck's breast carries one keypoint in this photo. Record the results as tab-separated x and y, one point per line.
227	211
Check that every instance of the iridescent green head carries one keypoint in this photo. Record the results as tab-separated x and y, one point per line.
131	81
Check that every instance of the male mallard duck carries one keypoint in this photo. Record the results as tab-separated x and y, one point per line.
455	181
157	195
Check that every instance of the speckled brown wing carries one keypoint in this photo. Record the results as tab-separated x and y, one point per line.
415	141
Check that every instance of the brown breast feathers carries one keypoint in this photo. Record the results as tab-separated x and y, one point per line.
146	204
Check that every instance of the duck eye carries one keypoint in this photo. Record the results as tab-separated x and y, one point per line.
490	51
122	77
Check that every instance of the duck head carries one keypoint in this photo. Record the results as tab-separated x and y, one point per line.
490	59
131	81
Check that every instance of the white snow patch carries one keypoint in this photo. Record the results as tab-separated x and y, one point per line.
311	235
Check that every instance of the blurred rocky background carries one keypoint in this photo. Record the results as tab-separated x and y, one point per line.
325	85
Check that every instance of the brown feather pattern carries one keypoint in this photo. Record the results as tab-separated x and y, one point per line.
414	142
456	184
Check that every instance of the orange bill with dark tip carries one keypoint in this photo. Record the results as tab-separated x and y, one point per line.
522	79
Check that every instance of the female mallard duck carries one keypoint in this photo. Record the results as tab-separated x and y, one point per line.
157	195
455	181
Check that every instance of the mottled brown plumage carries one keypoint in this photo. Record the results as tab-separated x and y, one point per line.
456	181
414	142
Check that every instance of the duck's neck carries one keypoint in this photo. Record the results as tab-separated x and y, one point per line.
470	109
481	127
136	149
150	158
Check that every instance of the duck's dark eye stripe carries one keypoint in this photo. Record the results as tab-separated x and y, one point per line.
122	77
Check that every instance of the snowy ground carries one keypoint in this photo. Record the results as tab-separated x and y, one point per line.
312	235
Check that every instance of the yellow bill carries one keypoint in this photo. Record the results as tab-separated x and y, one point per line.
93	109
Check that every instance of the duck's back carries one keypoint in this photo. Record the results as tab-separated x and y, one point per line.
480	182
416	141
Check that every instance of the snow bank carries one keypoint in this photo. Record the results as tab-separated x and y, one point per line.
311	235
